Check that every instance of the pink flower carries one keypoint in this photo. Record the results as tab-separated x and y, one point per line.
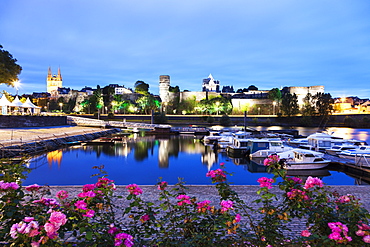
305	233
104	183
217	175
62	194
162	185
134	189
265	182
144	218
271	160
203	206
4	186
81	205
311	182
47	201
33	187
89	194
237	218
112	229
337	229
88	187
123	238
297	194
184	199
28	219
226	205
295	180
35	244
89	213
51	230
366	239
57	218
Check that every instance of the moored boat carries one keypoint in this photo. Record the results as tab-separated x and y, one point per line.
306	160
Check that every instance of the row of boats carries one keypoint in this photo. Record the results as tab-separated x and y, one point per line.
299	154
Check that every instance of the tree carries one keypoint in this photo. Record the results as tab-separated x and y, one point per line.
289	104
141	88
9	69
275	95
252	87
324	105
175	89
308	108
148	103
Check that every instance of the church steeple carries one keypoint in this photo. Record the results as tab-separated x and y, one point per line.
53	82
59	74
49	73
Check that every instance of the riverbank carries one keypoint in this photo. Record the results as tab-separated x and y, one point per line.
23	141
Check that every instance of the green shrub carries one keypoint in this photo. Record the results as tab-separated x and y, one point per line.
111	115
225	120
160	117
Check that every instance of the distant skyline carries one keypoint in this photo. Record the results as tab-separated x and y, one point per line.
265	43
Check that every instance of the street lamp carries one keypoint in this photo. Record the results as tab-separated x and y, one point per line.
61	106
217	106
274	105
16	84
259	110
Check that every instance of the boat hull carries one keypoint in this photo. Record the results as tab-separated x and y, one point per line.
306	165
236	152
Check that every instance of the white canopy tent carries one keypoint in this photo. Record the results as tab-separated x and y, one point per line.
17	106
31	107
4	104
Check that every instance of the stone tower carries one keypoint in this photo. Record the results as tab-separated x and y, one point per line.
164	86
53	82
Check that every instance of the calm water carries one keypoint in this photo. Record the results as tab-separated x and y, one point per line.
142	160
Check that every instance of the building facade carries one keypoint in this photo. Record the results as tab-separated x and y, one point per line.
210	84
54	82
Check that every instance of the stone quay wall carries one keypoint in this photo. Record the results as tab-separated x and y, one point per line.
31	121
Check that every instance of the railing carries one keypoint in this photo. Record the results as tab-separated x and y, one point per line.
117	124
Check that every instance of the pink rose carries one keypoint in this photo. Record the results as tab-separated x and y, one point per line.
89	213
57	218
305	233
62	194
81	205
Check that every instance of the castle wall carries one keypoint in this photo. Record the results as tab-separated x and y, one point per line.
301	92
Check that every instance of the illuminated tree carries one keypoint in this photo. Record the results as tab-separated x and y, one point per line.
147	103
141	88
9	69
308	108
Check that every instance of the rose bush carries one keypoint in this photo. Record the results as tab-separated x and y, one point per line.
30	216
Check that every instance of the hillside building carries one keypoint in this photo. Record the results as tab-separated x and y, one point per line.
210	84
53	82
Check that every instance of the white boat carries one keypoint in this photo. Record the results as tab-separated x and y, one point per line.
297	142
336	149
323	141
273	146
228	140
239	148
305	160
215	136
360	155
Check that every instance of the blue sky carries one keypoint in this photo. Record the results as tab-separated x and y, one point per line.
266	43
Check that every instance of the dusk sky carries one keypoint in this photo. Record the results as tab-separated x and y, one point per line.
266	43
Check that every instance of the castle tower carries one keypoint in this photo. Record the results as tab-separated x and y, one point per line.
164	86
53	82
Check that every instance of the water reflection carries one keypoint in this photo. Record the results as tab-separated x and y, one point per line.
143	160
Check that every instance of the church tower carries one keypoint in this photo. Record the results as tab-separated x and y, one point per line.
53	82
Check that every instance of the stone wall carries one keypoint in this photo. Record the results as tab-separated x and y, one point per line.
31	121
